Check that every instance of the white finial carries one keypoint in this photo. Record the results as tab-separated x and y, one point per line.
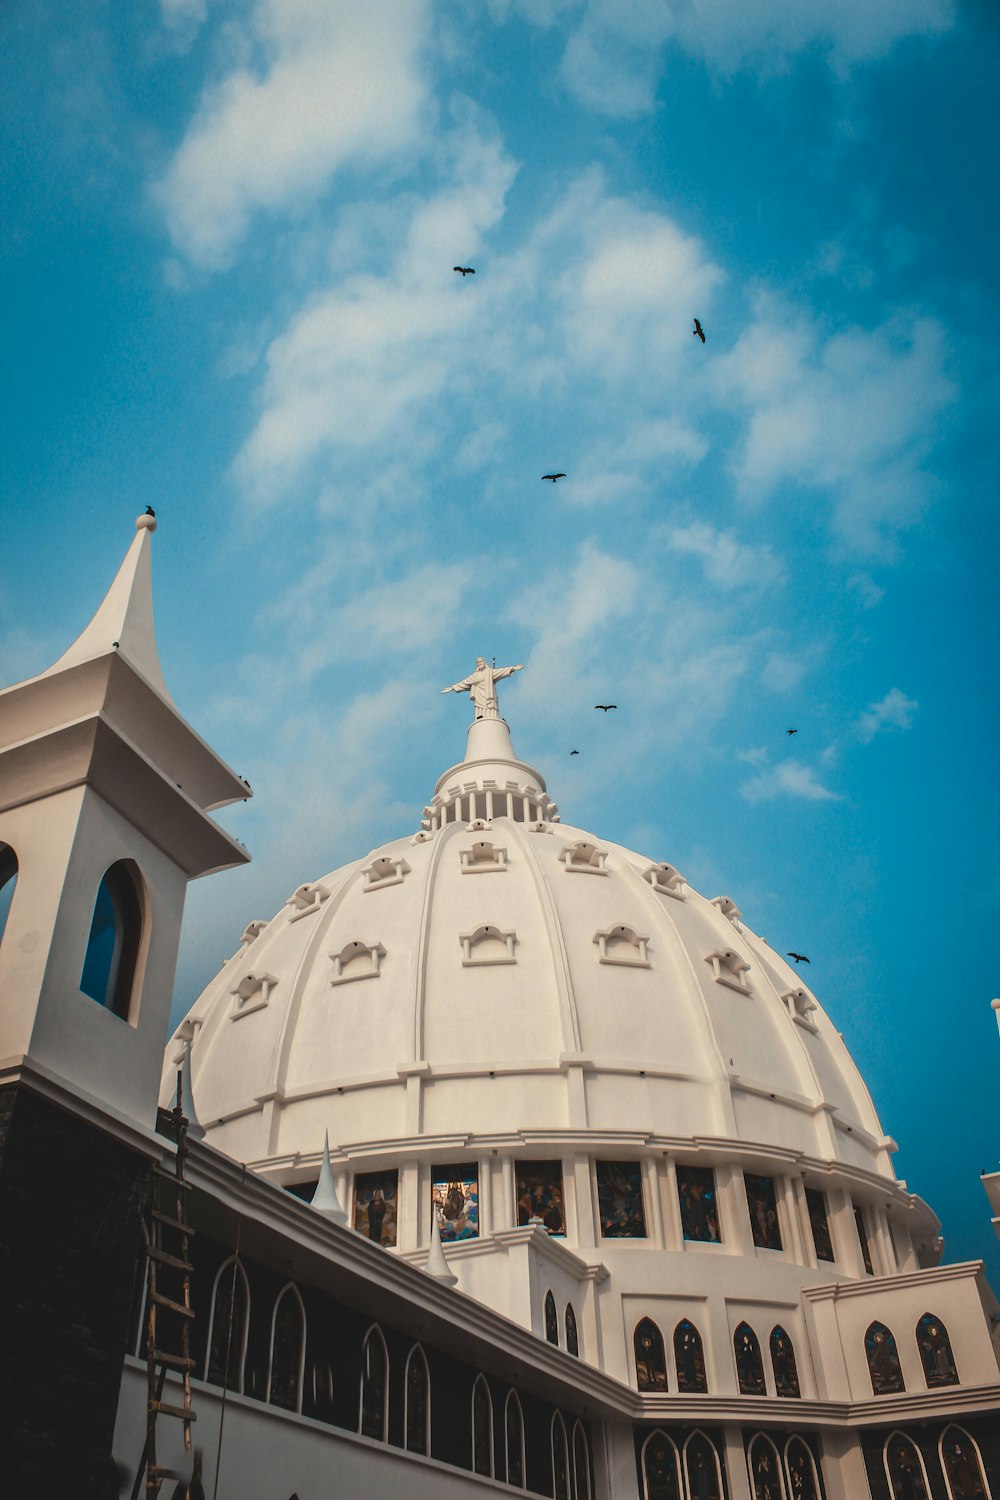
146	522
437	1265
324	1200
195	1129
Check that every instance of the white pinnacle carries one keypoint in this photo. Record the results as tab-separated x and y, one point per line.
437	1265
195	1129
324	1199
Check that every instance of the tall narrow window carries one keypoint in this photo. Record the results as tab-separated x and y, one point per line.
749	1365
905	1468
551	1319
8	881
650	1359
786	1375
560	1459
701	1461
866	1253
800	1468
572	1337
228	1340
288	1347
514	1440
374	1386
935	1352
963	1465
765	1469
418	1406
689	1357
581	1463
699	1214
819	1223
661	1468
883	1361
109	965
482	1428
763	1206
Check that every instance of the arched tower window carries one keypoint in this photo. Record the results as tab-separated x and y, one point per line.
514	1440
749	1365
8	881
229	1323
650	1359
374	1385
572	1336
551	1319
417	1420
905	1468
786	1375
883	1361
482	1427
581	1463
800	1470
560	1459
109	966
288	1348
963	1465
689	1357
704	1476
935	1352
765	1469
661	1468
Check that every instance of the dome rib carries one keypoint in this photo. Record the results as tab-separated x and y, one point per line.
422	945
569	1015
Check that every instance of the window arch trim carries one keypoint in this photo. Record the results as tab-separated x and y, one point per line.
658	1433
762	1437
559	1426
789	1444
581	1491
697	1433
417	1352
897	1384
943	1378
481	1383
983	1479
289	1289
375	1332
512	1397
898	1433
241	1365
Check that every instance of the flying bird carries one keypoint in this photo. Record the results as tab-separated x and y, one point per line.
605	706
574	752
697	331
464	271
799	958
791	731
553	477
150	511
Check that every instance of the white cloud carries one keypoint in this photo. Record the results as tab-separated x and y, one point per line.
790	779
728	563
314	87
894	711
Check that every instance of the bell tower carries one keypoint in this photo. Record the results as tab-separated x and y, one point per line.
105	796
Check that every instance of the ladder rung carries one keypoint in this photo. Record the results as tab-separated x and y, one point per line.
177	1224
177	1361
177	1307
184	1412
167	1176
166	1259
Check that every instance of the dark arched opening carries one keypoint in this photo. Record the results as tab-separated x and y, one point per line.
935	1352
883	1361
689	1357
650	1359
8	882
109	966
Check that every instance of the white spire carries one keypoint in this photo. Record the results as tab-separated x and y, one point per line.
195	1129
324	1199
436	1265
124	621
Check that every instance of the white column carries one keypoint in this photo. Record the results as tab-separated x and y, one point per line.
489	803
736	1464
408	1207
843	1465
734	1215
504	1216
843	1231
802	1208
485	1196
614	1462
510	806
651	1182
791	1215
672	1227
585	1226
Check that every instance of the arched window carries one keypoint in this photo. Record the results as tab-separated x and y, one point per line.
786	1375
560	1459
661	1468
288	1348
905	1468
883	1361
704	1476
8	881
482	1427
229	1322
800	1470
765	1469
650	1359
374	1385
581	1463
514	1440
963	1465
935	1352
417	1408
109	966
572	1336
749	1365
689	1357
551	1319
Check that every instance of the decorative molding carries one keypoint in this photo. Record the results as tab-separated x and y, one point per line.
348	964
584	858
728	969
252	993
500	949
665	879
483	857
384	871
306	900
624	946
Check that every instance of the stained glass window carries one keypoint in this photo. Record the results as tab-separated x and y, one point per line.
455	1198
227	1343
482	1427
661	1469
699	1213
702	1464
572	1337
963	1465
375	1201
786	1375
866	1254
514	1440
287	1345
560	1459
905	1469
540	1194
749	1365
801	1469
820	1224
619	1198
650	1359
581	1463
417	1402
689	1358
935	1352
551	1319
763	1206
883	1361
765	1469
374	1382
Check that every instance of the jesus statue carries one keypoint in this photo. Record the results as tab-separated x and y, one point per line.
481	687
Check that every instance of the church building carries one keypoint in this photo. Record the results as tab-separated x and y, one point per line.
445	1186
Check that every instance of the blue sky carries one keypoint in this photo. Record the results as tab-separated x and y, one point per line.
227	290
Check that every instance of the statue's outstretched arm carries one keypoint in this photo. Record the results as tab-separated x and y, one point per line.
459	687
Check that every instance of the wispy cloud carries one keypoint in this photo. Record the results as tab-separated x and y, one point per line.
729	563
894	711
790	779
